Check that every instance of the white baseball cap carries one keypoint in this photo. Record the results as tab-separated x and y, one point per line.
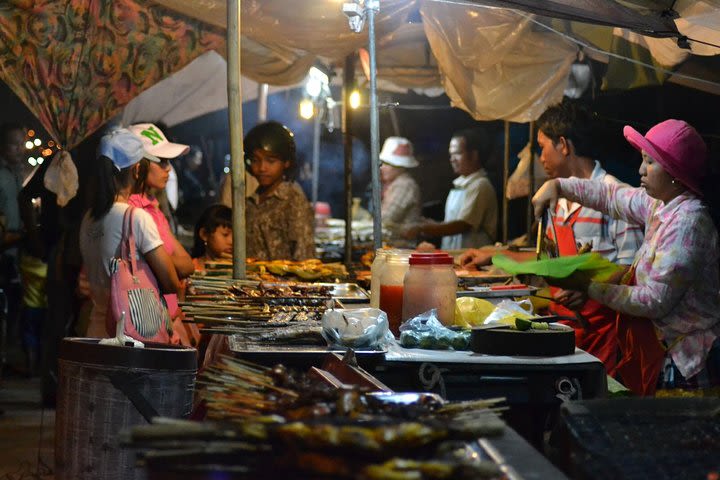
122	147
398	152
155	143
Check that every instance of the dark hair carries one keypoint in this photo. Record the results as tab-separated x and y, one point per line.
213	217
572	121
273	137
5	130
140	185
107	182
477	140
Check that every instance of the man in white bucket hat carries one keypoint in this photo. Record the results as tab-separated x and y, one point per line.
400	191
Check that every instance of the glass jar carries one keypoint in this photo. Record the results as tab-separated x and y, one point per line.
430	283
392	276
375	269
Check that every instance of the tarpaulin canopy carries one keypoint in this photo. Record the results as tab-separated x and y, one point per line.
75	63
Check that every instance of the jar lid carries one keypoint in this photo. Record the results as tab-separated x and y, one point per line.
431	258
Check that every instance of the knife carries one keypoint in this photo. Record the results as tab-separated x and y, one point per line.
540	236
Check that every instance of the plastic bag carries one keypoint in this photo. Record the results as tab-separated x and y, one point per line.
61	178
508	310
471	312
562	267
357	328
426	331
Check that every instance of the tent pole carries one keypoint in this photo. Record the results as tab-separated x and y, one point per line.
531	181
236	138
262	102
506	175
348	85
317	124
372	7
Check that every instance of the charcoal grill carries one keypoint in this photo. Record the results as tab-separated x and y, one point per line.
639	438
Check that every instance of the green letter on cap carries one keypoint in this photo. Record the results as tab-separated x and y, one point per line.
154	136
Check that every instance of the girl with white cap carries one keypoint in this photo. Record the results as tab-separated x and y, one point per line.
668	303
152	177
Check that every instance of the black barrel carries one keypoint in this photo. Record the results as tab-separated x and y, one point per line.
104	389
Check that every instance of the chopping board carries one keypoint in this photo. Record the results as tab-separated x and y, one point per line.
557	341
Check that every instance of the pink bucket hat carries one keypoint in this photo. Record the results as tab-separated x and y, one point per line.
676	146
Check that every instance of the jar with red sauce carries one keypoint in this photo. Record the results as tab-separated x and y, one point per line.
392	277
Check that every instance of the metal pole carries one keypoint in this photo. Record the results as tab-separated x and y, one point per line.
316	150
348	85
372	6
506	176
236	138
531	181
262	102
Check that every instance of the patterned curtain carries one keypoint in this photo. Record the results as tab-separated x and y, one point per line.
76	63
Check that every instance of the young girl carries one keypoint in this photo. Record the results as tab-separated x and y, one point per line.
101	230
279	217
152	175
213	236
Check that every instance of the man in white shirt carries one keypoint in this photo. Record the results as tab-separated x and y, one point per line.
471	207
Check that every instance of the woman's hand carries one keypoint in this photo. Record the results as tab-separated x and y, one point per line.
570	299
546	197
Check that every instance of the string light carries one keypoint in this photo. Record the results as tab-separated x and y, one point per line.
307	109
29	145
32	161
354	99
37	142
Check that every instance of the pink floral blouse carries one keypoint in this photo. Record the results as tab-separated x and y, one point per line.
677	274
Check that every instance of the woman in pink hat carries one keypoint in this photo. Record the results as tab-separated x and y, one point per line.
668	303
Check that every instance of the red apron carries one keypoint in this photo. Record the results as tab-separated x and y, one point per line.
642	353
601	339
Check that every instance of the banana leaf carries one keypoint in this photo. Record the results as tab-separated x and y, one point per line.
594	264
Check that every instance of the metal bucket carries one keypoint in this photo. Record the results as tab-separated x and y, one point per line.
105	389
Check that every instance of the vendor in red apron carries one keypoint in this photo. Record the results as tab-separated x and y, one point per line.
669	302
564	135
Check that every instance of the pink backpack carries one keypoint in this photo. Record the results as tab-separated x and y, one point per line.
134	293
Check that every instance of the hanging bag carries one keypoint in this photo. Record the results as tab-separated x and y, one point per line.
134	293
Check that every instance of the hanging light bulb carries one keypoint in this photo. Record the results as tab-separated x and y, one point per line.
306	109
354	99
37	142
29	145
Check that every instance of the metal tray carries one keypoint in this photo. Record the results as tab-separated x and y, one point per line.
348	292
302	356
488	292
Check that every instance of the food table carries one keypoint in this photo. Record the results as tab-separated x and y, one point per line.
533	386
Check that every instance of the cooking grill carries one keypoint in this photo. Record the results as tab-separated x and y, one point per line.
643	438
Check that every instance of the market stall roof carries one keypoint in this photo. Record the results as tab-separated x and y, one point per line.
76	63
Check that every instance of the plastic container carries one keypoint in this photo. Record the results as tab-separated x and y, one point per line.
392	276
322	213
105	389
430	283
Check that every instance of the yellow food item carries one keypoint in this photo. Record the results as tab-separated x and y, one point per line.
472	312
